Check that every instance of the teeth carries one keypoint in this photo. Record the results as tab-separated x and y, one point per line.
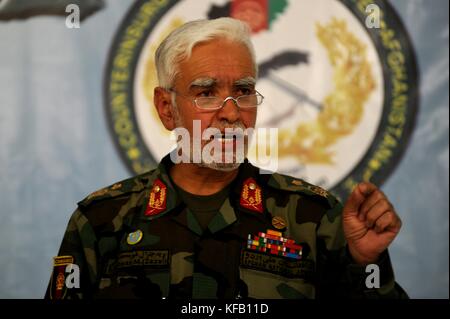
228	138
225	139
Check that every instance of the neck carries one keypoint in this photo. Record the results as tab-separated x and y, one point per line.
200	180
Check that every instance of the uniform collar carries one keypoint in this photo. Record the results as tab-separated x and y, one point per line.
160	187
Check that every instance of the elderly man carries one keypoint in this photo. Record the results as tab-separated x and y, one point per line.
222	229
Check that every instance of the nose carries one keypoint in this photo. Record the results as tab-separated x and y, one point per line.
229	111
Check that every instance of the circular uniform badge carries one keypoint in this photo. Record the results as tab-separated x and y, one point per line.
278	222
135	237
341	91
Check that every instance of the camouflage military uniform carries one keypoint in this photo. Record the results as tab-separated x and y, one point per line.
137	239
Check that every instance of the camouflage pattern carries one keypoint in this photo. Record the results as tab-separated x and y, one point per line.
176	259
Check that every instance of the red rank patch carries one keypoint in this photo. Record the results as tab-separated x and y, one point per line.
251	197
158	198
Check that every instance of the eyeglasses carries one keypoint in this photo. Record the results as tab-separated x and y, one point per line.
212	103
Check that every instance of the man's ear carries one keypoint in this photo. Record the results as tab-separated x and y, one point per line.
163	103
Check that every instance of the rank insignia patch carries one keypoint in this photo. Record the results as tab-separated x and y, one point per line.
251	197
157	200
98	193
319	191
58	287
116	186
273	243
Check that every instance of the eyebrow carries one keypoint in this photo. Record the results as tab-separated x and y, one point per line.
202	82
210	82
247	81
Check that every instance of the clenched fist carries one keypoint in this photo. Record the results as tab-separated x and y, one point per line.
370	223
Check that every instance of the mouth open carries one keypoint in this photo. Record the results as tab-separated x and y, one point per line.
224	138
227	138
227	147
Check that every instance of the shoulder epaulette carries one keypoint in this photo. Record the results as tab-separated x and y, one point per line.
129	185
292	184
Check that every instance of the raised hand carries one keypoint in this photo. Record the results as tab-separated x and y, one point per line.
370	223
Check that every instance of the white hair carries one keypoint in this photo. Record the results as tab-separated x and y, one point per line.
179	43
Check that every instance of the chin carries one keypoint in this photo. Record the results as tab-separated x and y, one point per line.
223	167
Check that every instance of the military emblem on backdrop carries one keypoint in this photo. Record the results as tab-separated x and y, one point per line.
343	96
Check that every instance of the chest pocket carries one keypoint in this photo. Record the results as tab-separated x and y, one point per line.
275	277
136	274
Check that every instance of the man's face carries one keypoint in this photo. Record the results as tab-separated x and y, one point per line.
216	68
